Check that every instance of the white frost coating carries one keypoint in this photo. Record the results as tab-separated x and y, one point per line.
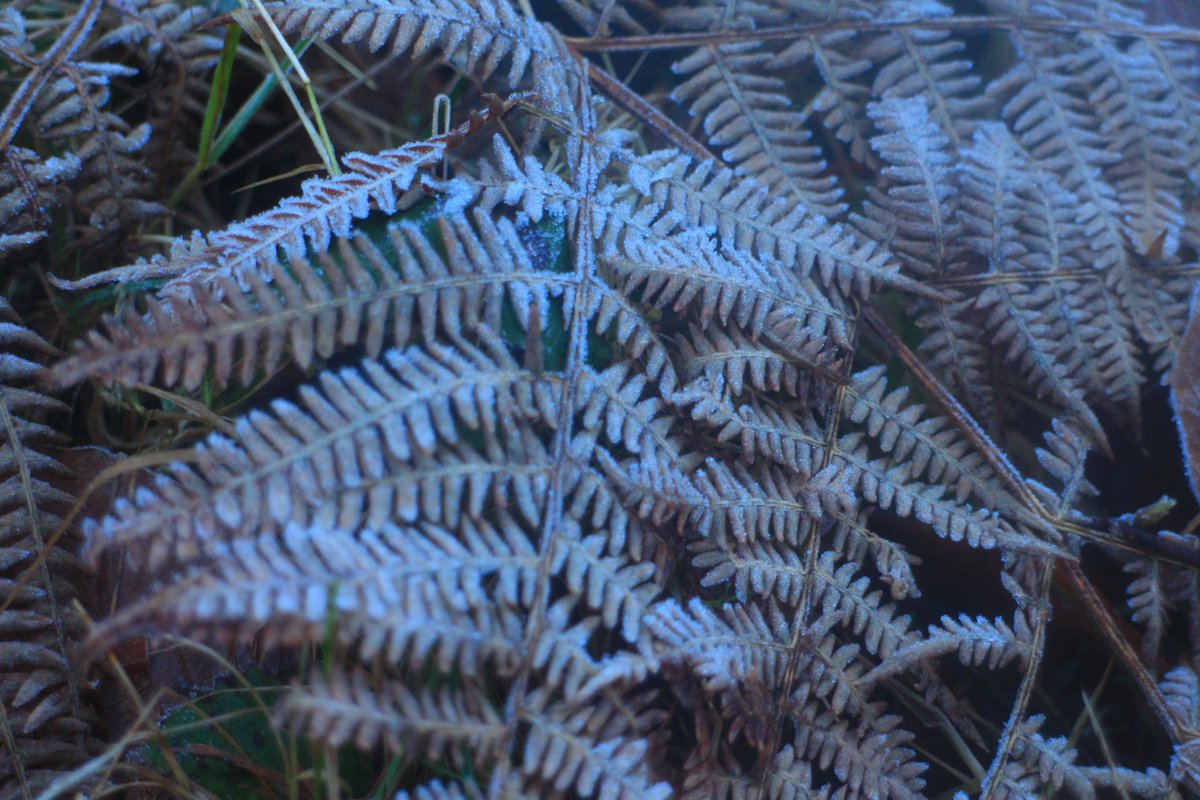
326	208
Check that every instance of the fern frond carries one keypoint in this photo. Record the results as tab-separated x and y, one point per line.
926	64
614	402
917	215
453	483
764	503
1149	603
1135	106
1064	457
762	431
872	760
373	291
326	208
844	94
608	507
1035	319
619	591
1181	691
975	640
595	16
887	483
718	363
763	568
589	749
931	447
953	349
436	791
30	186
349	430
719	776
347	708
114	191
747	217
688	270
745	651
476	35
893	488
846	598
1040	763
1063	133
378	584
745	111
165	31
46	722
852	538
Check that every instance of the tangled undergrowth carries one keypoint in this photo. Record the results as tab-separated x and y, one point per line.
599	399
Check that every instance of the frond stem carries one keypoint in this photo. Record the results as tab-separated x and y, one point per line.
1037	647
63	48
669	41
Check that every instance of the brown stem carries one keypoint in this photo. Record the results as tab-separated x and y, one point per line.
1103	619
633	102
667	41
63	48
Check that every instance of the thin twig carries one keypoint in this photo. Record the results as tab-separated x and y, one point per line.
636	105
670	41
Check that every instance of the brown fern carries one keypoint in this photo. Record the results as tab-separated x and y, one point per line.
584	460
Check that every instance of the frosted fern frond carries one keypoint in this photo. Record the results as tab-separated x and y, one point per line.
92	159
1050	347
844	94
1064	134
346	708
719	776
1136	107
380	584
744	111
1042	764
326	208
377	291
1064	457
476	35
930	446
1149	603
350	430
386	587
1181	689
894	488
716	363
761	431
977	641
593	750
926	64
918	214
30	186
723	284
739	654
48	722
617	500
872	761
435	791
746	216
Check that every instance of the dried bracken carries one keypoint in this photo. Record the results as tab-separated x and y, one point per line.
593	482
47	724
